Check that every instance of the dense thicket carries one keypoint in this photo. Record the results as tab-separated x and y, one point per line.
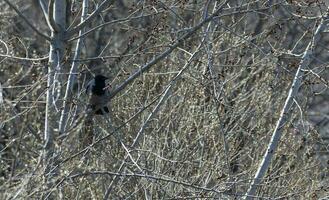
201	134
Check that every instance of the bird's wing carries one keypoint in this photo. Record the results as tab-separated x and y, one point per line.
89	86
98	101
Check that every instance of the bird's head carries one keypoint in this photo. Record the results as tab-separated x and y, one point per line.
100	78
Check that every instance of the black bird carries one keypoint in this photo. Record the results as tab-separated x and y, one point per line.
98	98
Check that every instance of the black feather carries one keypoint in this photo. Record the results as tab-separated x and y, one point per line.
96	87
104	111
99	85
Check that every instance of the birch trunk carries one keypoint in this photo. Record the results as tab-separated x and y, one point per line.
73	71
57	14
284	116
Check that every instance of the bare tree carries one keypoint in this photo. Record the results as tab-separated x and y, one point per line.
195	90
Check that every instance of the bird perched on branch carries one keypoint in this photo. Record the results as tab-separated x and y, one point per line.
98	100
98	95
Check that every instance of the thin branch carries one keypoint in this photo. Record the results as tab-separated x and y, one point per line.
111	23
157	107
44	8
50	16
27	21
284	116
1	95
21	58
157	178
72	75
57	46
323	80
151	115
6	55
117	136
43	5
69	33
106	136
167	52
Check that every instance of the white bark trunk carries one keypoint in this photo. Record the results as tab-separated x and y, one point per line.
55	57
72	75
306	60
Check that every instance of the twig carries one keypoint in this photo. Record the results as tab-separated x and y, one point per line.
109	135
80	26
110	23
323	80
72	75
117	136
154	111
44	8
167	52
21	58
157	178
50	17
27	21
1	95
271	149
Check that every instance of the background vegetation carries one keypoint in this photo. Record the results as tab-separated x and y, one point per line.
196	124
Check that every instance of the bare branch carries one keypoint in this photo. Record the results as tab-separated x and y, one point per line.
110	134
284	116
323	80
1	95
73	71
21	58
27	21
111	23
140	133
167	52
55	57
147	177
69	33
50	16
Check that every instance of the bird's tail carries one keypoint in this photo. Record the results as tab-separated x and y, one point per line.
102	111
87	135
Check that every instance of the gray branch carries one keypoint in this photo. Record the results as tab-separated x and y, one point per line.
55	56
27	21
164	97
50	17
284	116
80	26
73	71
167	52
